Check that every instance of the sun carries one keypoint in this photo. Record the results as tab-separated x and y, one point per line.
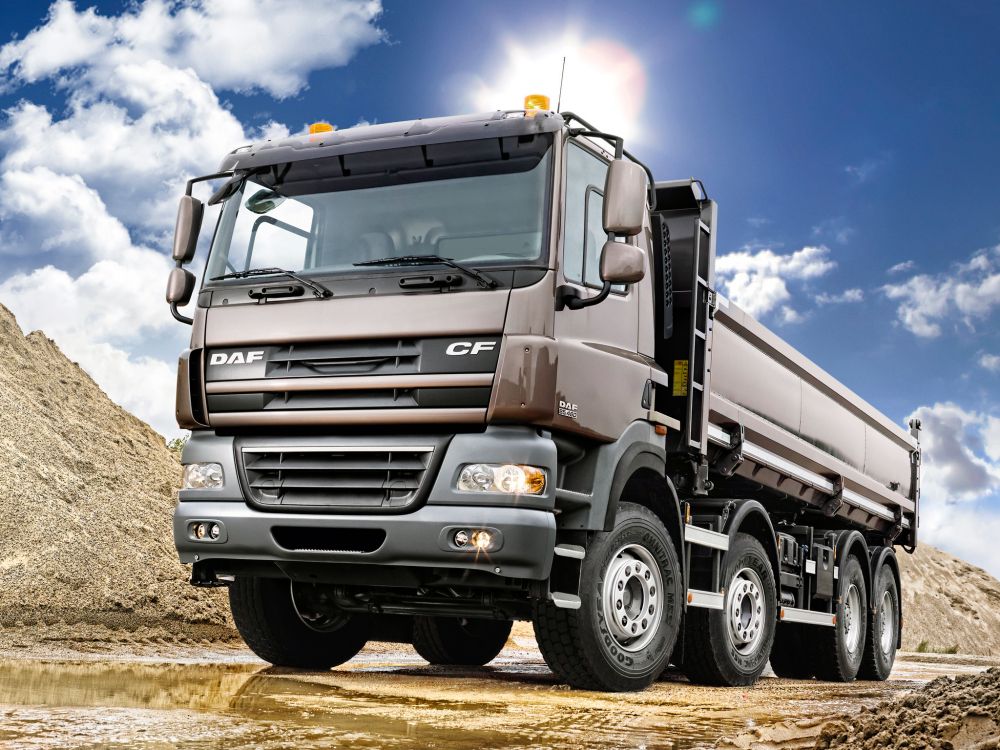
605	82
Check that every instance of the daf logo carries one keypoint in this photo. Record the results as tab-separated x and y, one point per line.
461	348
236	358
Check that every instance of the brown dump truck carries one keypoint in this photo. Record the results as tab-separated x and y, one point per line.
450	373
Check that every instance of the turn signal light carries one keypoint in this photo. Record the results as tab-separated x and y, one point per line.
320	127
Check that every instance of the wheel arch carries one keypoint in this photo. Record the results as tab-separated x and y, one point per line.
750	517
640	477
853	543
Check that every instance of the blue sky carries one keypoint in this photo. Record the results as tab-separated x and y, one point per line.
841	141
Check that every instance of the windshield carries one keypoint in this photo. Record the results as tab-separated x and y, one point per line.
493	215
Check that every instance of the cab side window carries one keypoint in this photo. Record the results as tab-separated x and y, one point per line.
583	235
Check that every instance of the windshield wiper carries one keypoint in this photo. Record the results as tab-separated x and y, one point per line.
426	260
317	289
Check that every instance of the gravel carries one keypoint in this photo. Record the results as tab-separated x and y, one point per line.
87	492
948	713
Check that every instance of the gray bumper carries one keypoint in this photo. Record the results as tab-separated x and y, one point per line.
416	538
411	539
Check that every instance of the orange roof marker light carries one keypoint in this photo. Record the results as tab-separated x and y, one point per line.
536	103
320	127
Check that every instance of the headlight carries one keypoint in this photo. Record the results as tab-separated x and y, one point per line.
202	477
509	479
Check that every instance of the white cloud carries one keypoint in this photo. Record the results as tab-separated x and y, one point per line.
758	280
848	296
240	45
990	362
96	315
960	482
968	293
961	452
906	265
94	184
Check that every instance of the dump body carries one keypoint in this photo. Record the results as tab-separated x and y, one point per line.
812	429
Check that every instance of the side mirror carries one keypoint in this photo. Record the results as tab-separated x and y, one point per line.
189	215
180	287
624	198
621	263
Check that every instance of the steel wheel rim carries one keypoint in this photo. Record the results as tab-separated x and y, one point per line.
745	611
632	597
313	616
852	619
886	624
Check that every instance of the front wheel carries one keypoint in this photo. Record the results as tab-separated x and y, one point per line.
627	624
288	625
731	646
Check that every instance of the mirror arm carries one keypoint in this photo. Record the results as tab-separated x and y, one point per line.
216	176
620	151
568	296
179	316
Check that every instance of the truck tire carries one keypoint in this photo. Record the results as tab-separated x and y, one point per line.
883	627
791	653
459	641
626	627
839	650
731	646
269	622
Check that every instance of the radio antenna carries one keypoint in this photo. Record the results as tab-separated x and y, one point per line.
562	75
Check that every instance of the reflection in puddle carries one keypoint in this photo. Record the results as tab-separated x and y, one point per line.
381	704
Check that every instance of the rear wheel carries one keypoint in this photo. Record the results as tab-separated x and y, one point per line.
288	625
791	654
839	649
731	646
627	624
459	641
883	628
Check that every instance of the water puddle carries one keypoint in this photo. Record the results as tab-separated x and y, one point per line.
383	702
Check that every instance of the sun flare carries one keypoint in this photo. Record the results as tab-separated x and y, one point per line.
605	82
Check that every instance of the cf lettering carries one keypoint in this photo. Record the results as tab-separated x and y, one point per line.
461	348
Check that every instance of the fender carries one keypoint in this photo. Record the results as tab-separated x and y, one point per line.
751	511
849	542
636	456
882	556
644	456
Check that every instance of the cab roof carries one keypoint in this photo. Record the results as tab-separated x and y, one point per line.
499	124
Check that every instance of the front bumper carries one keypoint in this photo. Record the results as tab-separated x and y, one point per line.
415	538
411	539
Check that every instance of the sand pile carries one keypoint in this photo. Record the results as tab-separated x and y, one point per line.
960	712
86	493
948	605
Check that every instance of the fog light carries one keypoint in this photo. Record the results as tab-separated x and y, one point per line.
482	540
461	538
202	477
508	479
214	531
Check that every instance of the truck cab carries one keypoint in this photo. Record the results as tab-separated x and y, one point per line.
449	373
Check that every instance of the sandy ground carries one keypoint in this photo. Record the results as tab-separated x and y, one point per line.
190	696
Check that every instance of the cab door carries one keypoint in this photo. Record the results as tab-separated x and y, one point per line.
601	376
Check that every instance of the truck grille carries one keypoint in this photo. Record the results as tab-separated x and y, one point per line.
399	356
327	479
